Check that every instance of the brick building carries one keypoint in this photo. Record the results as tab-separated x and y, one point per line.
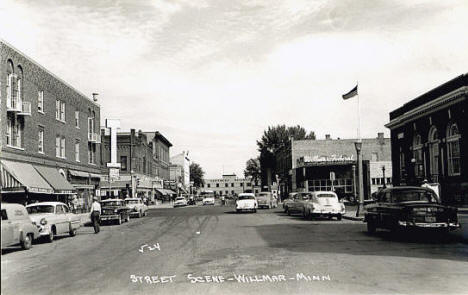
179	171
430	140
305	165
141	170
49	134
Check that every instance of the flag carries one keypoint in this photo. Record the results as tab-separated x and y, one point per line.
350	94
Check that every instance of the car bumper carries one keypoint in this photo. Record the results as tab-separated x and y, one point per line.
447	225
109	217
328	212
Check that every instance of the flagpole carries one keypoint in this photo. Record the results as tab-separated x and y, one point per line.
358	146
359	113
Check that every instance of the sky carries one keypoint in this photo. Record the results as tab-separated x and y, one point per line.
211	76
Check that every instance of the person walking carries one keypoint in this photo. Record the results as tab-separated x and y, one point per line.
95	215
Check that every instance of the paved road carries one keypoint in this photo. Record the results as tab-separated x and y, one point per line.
263	253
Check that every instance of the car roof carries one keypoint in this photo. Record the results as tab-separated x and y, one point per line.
246	194
46	204
10	205
406	188
108	200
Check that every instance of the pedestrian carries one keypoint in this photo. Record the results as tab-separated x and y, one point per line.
96	214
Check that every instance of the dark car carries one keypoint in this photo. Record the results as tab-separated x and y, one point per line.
115	210
409	208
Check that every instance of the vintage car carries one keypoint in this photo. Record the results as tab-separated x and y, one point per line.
136	206
323	203
246	202
208	201
409	207
53	219
296	204
114	210
180	201
17	226
288	201
266	200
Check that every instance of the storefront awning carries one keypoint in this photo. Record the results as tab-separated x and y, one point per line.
79	173
17	177
165	192
56	181
119	184
94	175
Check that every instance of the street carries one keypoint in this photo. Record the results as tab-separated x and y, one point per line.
212	250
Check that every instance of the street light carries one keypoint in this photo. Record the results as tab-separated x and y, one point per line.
358	146
383	174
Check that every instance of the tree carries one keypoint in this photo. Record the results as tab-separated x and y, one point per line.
273	140
252	169
196	174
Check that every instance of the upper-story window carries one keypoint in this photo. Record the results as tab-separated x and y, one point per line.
418	156
40	101
60	146
453	149
77	150
40	140
60	110
77	119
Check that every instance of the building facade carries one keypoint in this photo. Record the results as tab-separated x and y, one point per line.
180	170
230	184
430	140
139	169
49	139
161	153
331	164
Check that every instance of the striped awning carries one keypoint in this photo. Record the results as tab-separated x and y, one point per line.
56	181
18	177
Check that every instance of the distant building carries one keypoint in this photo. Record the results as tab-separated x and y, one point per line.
230	184
307	165
430	140
50	141
180	170
160	146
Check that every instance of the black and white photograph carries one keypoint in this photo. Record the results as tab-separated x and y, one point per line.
234	147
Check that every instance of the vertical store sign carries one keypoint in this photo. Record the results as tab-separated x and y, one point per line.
113	125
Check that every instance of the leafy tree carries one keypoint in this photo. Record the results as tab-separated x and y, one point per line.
252	169
196	174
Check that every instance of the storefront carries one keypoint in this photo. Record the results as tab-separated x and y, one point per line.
85	185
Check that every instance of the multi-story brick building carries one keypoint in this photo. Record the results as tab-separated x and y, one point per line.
49	134
140	167
229	184
179	171
306	165
430	140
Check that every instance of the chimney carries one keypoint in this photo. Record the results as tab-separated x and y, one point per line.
327	136
380	138
140	133
95	96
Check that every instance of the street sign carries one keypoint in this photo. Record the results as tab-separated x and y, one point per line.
114	174
332	175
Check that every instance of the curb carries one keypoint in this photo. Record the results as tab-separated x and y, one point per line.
353	218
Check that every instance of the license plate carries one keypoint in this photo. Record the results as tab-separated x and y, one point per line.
430	219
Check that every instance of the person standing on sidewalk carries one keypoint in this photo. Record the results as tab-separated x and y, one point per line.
96	214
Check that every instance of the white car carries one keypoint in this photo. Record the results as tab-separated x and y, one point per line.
53	218
323	203
136	206
246	202
208	201
180	201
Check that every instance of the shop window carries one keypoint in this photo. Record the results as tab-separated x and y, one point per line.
123	163
453	149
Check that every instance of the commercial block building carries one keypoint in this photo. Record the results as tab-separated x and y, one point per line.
179	170
49	134
230	184
429	137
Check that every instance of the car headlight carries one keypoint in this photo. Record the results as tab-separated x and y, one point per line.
115	210
43	221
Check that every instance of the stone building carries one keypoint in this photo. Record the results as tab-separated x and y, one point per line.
230	184
179	171
49	134
430	140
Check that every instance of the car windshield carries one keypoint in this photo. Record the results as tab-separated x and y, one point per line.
246	198
132	202
180	199
263	195
40	209
112	203
412	196
326	196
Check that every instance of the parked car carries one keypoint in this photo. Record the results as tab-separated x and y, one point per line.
208	200
296	205
323	203
409	207
136	206
53	219
17	226
287	202
180	202
246	202
266	200
114	210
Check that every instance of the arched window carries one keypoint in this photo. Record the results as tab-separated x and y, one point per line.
9	83
453	149
418	156
19	86
434	153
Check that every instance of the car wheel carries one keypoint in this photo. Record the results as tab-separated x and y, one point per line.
119	221
72	232
238	210
371	227
26	243
338	217
50	237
